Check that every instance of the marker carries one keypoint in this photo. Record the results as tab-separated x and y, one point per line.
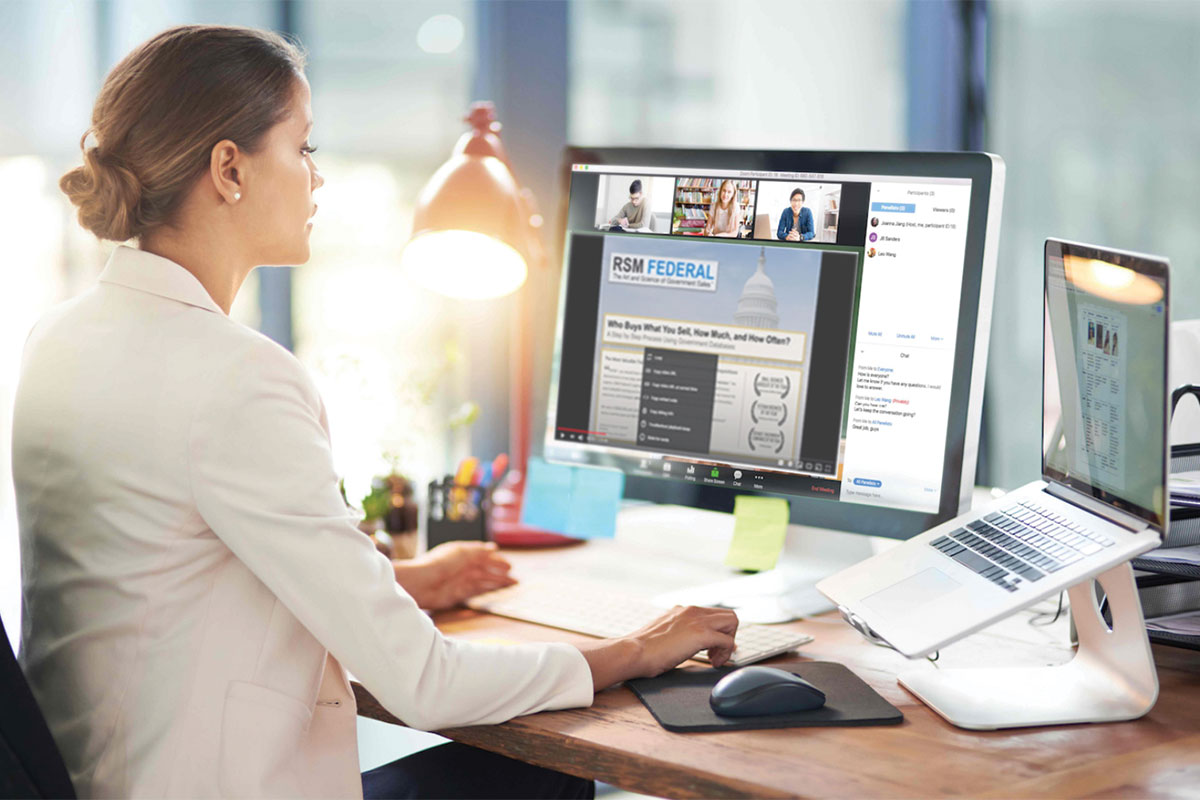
499	465
466	471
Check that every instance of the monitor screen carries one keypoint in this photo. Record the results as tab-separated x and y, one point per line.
1105	373
787	332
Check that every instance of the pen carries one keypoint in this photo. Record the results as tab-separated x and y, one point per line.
466	470
444	496
499	465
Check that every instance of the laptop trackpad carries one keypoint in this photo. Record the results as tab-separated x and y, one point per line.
924	587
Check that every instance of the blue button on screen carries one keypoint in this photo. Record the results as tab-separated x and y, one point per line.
895	208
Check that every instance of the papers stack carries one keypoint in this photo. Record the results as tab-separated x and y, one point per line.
1185	488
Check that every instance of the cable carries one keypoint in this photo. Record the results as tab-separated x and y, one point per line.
1040	620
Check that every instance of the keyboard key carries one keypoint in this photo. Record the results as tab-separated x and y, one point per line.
973	561
1030	573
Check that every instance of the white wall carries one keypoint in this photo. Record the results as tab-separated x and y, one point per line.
651	74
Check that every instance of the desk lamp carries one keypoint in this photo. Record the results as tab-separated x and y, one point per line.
475	237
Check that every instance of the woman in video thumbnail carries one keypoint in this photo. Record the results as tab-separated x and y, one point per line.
796	222
725	214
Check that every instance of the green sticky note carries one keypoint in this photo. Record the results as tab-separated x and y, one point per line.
759	527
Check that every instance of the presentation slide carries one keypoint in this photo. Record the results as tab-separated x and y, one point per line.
703	347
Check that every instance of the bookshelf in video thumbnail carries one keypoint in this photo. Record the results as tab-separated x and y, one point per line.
695	196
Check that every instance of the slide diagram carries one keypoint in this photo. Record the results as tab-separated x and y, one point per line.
755	411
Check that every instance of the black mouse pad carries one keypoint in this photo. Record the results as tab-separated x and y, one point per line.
679	700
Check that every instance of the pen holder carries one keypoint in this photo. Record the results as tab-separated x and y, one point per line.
457	513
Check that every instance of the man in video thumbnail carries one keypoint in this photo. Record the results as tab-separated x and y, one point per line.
796	223
632	214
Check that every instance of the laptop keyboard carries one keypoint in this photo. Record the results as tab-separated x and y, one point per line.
1020	543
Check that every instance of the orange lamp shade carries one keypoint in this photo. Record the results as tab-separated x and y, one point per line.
471	230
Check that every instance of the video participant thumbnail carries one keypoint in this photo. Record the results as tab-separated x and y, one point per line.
796	211
632	204
703	348
719	207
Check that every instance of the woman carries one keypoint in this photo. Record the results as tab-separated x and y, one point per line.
725	213
195	589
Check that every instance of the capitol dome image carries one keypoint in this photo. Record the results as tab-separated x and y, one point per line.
757	307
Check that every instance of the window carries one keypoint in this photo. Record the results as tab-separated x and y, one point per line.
1092	106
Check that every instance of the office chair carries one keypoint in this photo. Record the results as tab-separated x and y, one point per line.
30	764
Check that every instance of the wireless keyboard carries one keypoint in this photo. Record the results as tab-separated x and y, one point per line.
594	611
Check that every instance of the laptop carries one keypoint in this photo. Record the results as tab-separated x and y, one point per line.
1102	498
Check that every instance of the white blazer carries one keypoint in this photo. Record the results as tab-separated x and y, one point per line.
192	581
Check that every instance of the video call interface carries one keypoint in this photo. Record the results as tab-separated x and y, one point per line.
782	332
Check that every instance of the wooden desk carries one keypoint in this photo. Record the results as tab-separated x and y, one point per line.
618	742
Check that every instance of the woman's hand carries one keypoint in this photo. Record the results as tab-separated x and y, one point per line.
453	572
668	641
682	632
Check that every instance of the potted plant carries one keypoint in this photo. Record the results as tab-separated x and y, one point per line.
390	515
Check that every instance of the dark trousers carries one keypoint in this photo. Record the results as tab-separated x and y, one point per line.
466	773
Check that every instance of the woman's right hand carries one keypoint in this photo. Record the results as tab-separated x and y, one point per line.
684	631
670	640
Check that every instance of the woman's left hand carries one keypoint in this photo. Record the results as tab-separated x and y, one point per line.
453	572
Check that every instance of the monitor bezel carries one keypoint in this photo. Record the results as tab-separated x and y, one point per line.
985	171
1156	267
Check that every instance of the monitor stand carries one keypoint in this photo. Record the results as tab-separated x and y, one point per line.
788	591
1111	677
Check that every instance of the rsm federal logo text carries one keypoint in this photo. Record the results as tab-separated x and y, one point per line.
673	273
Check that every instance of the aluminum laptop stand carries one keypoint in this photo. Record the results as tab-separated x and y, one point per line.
1111	678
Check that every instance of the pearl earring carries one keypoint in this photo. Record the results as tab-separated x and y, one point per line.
237	195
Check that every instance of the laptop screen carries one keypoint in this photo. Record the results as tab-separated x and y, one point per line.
1104	423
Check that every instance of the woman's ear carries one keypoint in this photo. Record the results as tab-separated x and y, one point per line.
224	167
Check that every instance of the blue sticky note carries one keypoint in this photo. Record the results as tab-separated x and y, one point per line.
595	501
576	501
547	502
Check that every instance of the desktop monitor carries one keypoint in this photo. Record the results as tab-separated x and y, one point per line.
812	325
